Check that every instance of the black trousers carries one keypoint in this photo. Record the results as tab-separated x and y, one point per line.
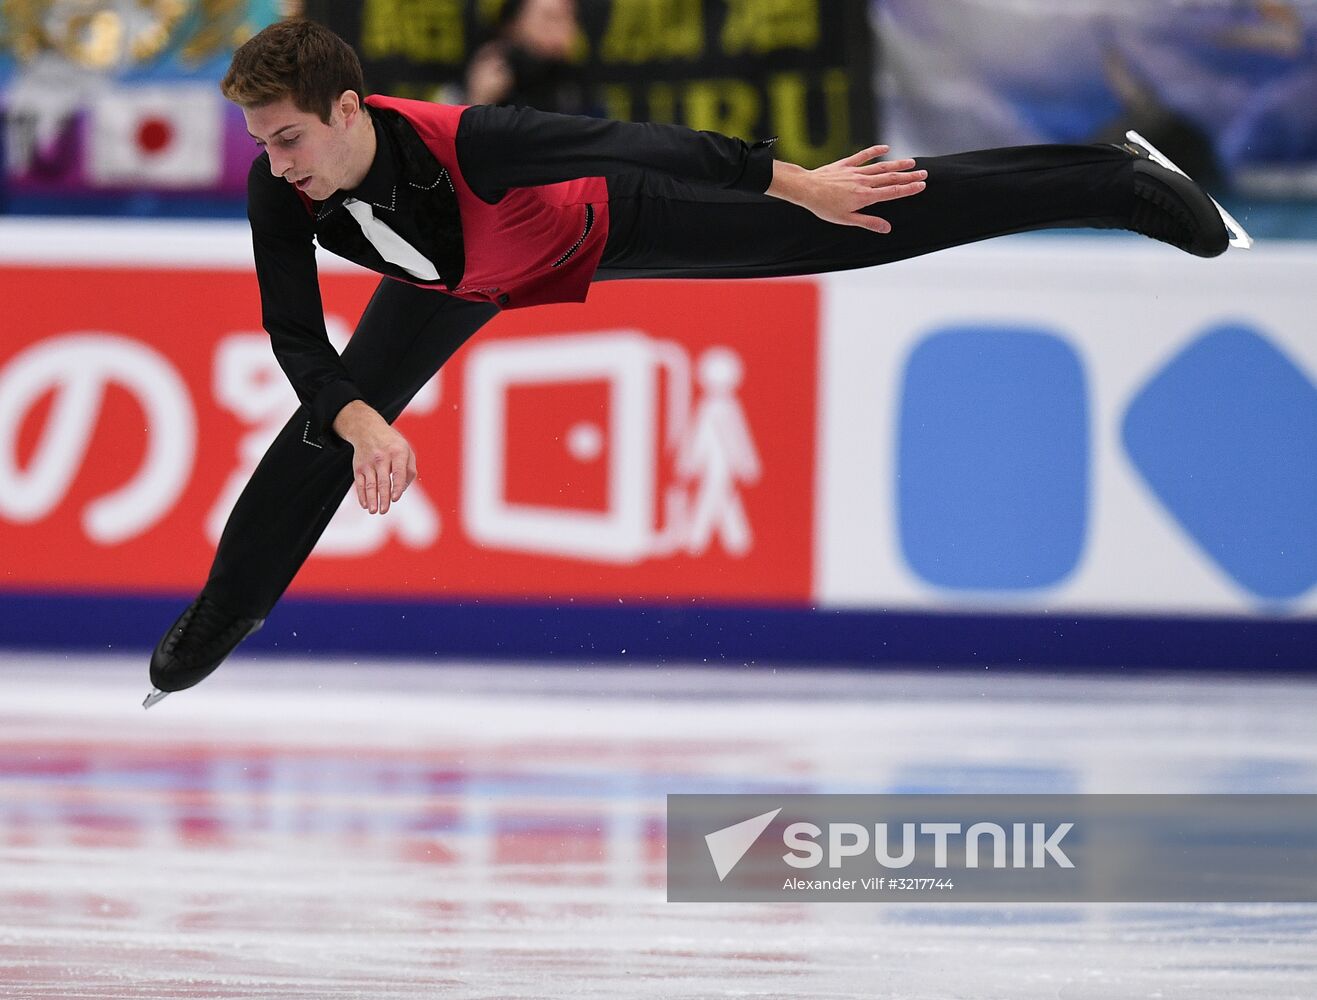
658	229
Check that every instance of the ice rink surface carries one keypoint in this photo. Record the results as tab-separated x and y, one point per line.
295	829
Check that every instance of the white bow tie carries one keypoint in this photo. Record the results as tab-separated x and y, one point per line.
391	246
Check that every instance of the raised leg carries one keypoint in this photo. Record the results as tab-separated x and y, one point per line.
661	228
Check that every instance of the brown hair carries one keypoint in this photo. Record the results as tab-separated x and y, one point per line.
295	58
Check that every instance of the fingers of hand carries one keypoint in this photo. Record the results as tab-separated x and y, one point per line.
870	222
372	489
384	485
411	474
869	189
381	480
895	191
878	181
865	155
886	167
401	475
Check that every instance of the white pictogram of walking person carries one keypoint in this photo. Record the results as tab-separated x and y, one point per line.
717	455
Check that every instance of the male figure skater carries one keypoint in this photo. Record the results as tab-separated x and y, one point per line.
467	211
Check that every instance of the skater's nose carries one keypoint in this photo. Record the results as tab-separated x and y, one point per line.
280	163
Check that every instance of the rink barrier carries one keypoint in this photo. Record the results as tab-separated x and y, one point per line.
1042	451
643	634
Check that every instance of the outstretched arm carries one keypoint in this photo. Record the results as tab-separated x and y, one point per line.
837	191
502	147
508	147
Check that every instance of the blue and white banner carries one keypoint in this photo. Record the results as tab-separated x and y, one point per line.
1049	425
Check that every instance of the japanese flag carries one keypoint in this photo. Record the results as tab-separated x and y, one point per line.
156	137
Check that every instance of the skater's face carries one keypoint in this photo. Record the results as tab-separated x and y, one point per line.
316	157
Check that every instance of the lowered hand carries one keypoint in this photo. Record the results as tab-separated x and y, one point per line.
383	464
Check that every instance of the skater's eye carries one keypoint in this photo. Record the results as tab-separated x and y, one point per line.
282	141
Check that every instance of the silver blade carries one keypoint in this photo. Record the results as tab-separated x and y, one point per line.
155	696
1238	237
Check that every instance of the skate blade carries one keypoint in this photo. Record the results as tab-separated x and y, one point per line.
1238	237
155	696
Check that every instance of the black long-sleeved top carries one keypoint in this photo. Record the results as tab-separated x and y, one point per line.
497	148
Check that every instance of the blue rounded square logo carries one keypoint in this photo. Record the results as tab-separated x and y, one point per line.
993	458
1226	438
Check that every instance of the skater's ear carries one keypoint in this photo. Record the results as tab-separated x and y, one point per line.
348	105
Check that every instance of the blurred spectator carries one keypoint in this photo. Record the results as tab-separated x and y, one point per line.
1200	88
1142	108
530	60
1227	88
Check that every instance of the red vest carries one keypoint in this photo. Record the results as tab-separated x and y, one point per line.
527	250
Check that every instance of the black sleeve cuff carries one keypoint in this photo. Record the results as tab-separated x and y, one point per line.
322	411
758	173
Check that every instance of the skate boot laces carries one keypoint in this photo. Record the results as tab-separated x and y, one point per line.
1140	148
203	630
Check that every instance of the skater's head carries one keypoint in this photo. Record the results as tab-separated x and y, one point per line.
298	60
300	88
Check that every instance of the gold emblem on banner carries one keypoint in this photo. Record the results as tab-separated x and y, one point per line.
114	34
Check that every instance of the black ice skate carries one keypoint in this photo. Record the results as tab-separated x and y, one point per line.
1170	207
194	646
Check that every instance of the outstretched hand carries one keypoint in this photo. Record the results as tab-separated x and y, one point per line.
383	464
836	192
